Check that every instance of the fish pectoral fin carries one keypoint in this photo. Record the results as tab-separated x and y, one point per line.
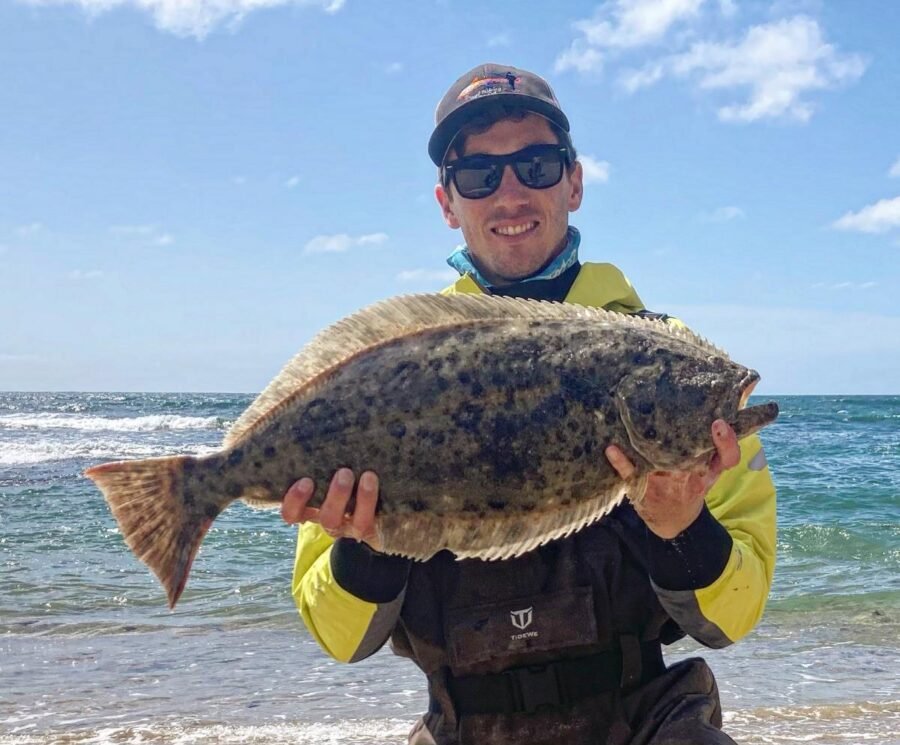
636	488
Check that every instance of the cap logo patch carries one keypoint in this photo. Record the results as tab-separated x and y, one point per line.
487	86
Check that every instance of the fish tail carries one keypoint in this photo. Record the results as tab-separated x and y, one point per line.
158	520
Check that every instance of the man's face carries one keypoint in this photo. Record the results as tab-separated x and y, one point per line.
516	230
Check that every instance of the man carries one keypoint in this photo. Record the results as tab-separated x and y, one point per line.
694	557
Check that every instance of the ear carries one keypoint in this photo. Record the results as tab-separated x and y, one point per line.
443	198
576	183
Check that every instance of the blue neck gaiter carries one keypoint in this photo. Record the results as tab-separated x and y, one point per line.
461	260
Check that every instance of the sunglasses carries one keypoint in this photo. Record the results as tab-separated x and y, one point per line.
479	176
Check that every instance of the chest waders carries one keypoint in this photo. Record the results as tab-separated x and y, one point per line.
555	646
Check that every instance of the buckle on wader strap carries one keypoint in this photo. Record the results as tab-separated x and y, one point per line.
557	684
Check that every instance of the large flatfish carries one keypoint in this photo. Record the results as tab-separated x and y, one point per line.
486	419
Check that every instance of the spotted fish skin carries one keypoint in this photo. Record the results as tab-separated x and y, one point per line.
487	431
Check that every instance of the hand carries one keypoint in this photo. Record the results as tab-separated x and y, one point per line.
674	499
332	515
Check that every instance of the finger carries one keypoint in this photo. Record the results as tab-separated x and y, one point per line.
310	515
726	444
362	524
331	513
295	499
618	460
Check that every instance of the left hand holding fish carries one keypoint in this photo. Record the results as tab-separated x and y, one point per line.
332	514
674	499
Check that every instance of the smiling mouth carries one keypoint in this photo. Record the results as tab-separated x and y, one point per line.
513	230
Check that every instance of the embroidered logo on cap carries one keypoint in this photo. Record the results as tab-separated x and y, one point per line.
489	85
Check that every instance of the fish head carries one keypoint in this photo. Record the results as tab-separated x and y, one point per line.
668	407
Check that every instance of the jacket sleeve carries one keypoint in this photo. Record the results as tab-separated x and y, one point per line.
714	578
348	595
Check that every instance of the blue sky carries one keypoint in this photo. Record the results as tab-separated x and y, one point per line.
190	189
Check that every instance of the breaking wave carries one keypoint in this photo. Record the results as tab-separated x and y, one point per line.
46	451
152	423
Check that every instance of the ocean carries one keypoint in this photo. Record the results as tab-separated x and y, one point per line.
89	652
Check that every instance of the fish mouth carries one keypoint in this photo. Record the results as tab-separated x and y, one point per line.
751	419
747	385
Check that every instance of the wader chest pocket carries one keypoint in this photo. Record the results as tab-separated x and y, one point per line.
515	627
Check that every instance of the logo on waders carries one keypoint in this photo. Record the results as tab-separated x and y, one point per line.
521	619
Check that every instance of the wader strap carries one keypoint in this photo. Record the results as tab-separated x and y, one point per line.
556	684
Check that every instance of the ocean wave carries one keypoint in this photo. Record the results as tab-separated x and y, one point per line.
364	732
825	724
151	423
875	721
46	451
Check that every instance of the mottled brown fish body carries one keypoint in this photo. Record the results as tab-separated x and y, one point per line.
487	428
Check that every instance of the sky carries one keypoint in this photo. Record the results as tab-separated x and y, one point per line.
191	189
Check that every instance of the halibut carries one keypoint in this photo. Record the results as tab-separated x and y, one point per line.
485	418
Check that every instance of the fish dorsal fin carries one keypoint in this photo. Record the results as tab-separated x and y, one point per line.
411	314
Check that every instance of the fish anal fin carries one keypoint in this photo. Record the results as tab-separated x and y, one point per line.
491	537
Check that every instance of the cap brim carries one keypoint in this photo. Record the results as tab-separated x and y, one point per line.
445	131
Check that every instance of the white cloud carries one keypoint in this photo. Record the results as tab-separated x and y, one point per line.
148	234
500	40
394	68
292	182
621	25
875	218
723	214
844	285
4	357
895	169
427	275
728	8
632	80
342	242
580	57
372	239
26	231
78	275
192	17
132	230
778	62
634	23
595	171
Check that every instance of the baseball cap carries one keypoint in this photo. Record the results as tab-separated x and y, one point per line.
482	87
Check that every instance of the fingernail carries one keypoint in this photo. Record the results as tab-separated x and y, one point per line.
345	477
305	485
368	481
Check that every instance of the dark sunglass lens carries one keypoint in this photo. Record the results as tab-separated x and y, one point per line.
540	171
474	182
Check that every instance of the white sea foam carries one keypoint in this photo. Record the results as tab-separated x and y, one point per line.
825	725
363	732
152	423
45	451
